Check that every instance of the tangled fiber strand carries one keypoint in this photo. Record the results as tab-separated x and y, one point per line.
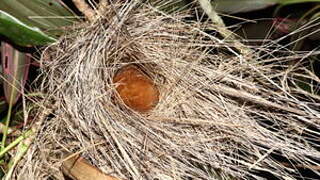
220	115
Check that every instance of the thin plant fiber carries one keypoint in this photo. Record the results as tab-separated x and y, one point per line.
220	114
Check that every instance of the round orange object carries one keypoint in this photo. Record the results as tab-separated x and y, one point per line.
136	89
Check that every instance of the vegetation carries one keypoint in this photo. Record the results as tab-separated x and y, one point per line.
27	27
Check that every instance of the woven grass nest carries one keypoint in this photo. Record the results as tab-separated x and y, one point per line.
220	114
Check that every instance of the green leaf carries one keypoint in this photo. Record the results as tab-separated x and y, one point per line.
48	15
21	34
15	67
237	6
286	2
34	22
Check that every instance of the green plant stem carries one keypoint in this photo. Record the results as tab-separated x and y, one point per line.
35	94
6	127
22	149
30	107
15	142
9	130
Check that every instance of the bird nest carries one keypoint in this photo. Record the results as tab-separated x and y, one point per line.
215	113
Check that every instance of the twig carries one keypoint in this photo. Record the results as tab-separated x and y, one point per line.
6	127
78	168
15	142
254	99
85	9
103	4
26	140
312	167
221	28
22	149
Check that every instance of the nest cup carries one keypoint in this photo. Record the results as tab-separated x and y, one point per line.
220	114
